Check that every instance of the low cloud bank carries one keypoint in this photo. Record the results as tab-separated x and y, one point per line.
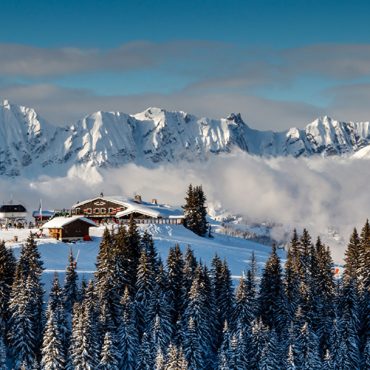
319	194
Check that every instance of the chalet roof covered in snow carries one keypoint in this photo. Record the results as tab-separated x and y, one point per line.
60	222
115	199
150	209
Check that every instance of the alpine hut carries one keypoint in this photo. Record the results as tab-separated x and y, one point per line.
69	228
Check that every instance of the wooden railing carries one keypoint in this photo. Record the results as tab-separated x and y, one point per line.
160	221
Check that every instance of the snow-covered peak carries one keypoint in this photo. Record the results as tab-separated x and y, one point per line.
156	136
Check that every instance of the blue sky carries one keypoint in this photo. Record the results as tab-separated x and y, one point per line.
279	63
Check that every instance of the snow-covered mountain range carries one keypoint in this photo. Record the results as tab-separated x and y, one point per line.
156	136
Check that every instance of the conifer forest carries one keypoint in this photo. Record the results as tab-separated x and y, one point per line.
141	313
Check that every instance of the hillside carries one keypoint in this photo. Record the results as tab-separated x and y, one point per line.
54	254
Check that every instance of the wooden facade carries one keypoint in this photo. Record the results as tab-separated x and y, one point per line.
98	209
75	230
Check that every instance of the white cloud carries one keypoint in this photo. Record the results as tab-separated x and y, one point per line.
315	193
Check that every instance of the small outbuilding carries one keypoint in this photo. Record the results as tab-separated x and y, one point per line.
69	228
42	216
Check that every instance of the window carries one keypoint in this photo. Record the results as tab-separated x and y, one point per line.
78	211
103	211
88	211
111	210
96	211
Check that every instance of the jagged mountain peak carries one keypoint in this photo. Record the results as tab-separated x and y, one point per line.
155	136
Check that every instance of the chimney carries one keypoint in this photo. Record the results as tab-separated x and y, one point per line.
154	201
137	198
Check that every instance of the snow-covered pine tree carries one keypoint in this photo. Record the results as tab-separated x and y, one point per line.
147	244
271	353
175	268
224	352
2	354
56	306
327	361
82	289
127	336
70	289
259	337
146	354
307	345
366	355
200	211
159	313
322	294
190	265
160	336
352	257
364	259
243	351
106	285
26	305
52	350
195	211
104	261
175	359
200	310
121	258
349	326
109	355
292	279
7	271
160	361
337	347
192	350
271	296
290	362
23	337
134	250
84	351
364	286
109	307
223	295
189	209
145	286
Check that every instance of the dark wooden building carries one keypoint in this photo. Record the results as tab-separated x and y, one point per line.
100	208
69	228
119	209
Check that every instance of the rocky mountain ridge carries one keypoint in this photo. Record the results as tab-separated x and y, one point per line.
157	136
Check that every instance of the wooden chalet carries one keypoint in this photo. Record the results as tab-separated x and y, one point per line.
100	208
118	209
69	228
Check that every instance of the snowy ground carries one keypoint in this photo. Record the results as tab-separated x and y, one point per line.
237	251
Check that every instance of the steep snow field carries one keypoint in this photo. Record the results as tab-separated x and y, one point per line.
54	254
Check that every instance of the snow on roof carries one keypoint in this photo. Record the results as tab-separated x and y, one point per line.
44	213
149	209
115	199
59	222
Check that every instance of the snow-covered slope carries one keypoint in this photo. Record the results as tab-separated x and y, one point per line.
363	153
236	251
156	136
24	136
